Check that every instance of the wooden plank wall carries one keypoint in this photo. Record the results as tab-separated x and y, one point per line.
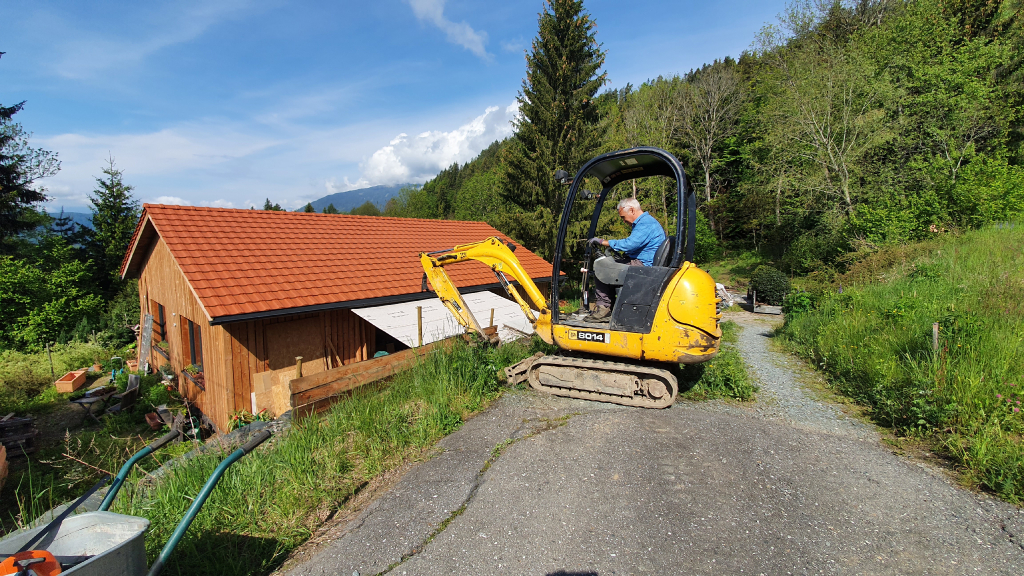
162	282
345	339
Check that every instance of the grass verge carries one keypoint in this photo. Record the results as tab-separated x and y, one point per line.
64	468
725	376
875	343
274	499
736	268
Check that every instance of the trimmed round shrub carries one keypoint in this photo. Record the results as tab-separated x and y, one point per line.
770	284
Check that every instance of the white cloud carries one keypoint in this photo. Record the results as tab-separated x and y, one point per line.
174	200
514	46
460	33
226	163
419	158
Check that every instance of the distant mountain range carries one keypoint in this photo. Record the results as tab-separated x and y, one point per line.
79	218
345	201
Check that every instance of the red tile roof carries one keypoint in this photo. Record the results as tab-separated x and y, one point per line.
255	261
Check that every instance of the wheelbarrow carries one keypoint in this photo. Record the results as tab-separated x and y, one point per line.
103	543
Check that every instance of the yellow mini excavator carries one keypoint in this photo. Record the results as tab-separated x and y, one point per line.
663	316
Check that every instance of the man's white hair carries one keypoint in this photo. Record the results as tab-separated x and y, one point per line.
629	202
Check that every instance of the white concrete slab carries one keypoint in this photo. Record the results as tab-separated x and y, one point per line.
399	320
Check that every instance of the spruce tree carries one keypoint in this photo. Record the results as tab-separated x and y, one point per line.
115	212
20	166
556	129
309	208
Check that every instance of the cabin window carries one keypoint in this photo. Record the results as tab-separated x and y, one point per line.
159	321
159	334
191	343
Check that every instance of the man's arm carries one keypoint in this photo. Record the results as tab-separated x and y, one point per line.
634	242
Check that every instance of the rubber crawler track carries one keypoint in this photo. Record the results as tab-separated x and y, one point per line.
603	366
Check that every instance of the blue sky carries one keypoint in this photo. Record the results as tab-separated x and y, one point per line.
225	103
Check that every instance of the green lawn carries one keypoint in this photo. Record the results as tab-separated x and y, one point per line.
874	341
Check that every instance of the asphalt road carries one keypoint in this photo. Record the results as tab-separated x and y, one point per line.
786	485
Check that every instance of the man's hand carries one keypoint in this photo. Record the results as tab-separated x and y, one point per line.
598	241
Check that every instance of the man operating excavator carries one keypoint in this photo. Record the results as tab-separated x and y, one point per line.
639	248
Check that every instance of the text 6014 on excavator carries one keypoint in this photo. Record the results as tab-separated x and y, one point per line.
664	315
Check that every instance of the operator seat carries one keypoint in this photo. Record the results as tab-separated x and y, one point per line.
663	256
613	273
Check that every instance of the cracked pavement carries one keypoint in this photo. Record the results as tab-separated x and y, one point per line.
582	488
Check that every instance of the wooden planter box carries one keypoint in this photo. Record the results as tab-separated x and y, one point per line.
71	381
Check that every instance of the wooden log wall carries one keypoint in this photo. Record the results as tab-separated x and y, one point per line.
339	338
162	282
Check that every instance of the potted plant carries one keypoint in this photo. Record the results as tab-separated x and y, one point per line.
195	372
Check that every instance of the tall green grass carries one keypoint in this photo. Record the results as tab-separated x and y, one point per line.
60	473
875	343
26	382
725	376
275	498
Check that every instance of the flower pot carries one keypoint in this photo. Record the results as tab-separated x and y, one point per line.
154	421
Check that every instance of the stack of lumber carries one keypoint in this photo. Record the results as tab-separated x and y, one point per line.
18	435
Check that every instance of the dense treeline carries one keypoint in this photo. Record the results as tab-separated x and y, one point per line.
848	126
59	282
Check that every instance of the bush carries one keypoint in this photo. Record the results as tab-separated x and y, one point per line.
797	303
770	284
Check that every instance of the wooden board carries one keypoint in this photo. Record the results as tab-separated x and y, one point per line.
287	340
272	391
317	388
146	340
3	466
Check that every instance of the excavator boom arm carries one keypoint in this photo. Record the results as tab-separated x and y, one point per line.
499	258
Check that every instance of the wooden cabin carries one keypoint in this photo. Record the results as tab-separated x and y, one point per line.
236	294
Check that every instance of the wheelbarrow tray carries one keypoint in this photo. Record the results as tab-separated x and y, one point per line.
115	542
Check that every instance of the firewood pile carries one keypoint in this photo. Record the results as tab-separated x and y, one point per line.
18	436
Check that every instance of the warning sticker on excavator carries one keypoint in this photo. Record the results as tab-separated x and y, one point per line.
588	336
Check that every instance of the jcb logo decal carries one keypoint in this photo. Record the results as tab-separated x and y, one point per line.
588	336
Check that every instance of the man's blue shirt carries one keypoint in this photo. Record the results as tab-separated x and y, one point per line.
643	241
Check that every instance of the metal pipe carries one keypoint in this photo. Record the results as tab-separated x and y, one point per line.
204	493
115	486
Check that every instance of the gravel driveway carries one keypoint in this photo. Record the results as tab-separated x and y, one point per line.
783	485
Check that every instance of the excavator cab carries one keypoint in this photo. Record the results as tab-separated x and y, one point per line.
639	289
663	316
655	301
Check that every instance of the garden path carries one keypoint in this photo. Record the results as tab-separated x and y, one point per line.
789	484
